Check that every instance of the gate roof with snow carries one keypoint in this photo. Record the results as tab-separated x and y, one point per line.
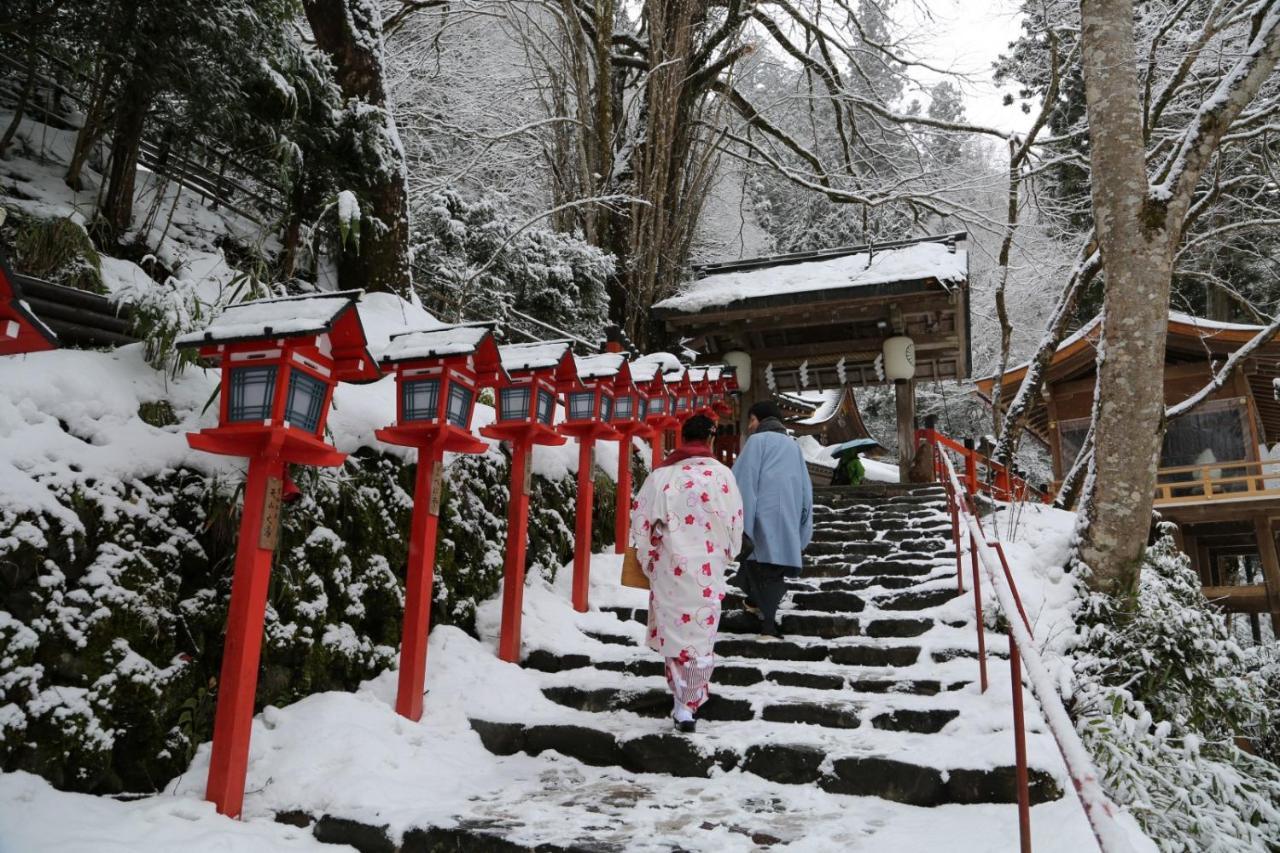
831	311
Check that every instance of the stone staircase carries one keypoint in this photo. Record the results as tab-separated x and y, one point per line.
871	694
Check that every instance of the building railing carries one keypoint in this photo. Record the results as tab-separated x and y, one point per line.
989	553
994	480
1234	480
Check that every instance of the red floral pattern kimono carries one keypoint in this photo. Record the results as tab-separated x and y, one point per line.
686	527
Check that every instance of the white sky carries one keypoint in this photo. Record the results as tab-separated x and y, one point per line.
965	37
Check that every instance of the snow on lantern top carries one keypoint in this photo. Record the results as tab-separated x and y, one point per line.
533	374
439	373
330	320
590	399
21	331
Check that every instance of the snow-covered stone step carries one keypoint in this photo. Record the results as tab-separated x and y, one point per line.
904	778
730	704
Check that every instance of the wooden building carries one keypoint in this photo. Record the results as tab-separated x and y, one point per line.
813	321
1217	479
835	420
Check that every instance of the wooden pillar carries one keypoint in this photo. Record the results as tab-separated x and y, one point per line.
757	392
419	579
517	545
582	523
242	650
622	504
1270	568
905	397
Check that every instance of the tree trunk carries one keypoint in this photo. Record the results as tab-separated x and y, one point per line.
1136	250
28	86
126	140
350	32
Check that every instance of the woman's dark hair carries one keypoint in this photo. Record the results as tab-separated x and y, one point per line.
698	428
765	409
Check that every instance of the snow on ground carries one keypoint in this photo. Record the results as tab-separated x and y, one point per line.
350	755
37	818
876	471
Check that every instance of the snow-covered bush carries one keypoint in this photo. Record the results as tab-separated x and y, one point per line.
1165	699
111	629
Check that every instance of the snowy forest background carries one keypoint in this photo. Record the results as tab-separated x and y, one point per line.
546	163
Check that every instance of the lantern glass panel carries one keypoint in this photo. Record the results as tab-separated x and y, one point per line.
306	398
682	404
606	407
623	407
460	398
420	399
252	389
658	405
513	404
546	405
582	405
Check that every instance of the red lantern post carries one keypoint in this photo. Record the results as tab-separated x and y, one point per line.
280	360
646	390
21	331
680	385
589	404
439	374
526	404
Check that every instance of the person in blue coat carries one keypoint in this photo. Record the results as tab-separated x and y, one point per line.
777	503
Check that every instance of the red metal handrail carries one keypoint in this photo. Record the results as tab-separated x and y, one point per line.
961	494
996	480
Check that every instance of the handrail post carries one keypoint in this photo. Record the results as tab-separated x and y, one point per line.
1020	747
971	484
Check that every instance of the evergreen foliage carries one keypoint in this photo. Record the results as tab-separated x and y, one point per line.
1181	720
111	631
473	261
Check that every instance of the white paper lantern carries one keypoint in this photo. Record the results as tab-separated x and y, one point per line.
899	358
741	362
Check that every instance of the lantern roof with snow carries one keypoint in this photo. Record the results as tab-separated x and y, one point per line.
307	316
467	339
538	357
21	331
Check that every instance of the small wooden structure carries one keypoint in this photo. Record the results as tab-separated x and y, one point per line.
526	407
439	373
835	420
280	361
1217	480
820	320
589	402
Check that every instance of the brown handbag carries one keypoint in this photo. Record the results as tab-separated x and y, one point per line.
632	574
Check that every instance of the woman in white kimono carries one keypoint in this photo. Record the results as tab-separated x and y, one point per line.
686	527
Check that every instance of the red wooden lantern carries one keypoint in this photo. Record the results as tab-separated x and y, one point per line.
439	373
21	331
682	400
659	404
526	405
631	420
280	361
703	390
590	402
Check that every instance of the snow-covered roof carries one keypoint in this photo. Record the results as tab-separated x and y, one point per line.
925	260
665	361
826	409
539	355
267	318
599	366
435	343
644	371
